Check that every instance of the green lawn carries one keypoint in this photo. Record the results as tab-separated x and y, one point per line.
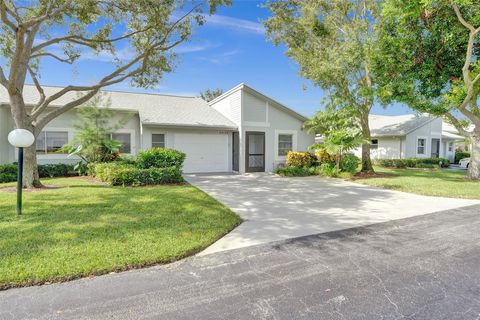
430	182
84	228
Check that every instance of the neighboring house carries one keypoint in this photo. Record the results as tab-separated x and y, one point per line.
242	130
412	136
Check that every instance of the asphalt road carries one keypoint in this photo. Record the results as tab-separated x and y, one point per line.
426	267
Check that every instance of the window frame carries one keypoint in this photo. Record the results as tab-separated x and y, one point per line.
278	144
294	133
132	140
45	141
450	146
164	139
424	146
373	146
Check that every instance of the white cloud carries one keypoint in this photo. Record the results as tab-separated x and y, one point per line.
235	23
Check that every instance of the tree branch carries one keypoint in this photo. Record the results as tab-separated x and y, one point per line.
38	86
48	54
4	12
460	17
457	124
3	79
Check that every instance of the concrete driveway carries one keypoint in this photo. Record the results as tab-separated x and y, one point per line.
276	208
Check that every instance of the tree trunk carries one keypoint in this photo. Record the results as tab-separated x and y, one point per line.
474	166
31	178
366	160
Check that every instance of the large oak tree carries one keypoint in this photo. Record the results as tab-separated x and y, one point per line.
64	30
333	41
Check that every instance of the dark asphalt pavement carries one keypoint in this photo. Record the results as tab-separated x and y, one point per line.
426	267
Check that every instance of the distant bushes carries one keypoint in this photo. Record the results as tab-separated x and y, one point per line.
413	163
459	155
8	172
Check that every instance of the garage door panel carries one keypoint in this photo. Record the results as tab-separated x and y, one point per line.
205	152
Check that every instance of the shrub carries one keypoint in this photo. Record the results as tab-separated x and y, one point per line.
459	155
8	172
293	171
117	174
328	169
349	163
323	156
300	159
55	170
413	162
160	158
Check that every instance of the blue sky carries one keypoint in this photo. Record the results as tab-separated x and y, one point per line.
229	49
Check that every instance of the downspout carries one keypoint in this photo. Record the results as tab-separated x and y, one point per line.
400	150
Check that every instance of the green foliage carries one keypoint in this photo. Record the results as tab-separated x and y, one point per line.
328	169
55	170
295	171
349	163
210	94
461	155
334	43
117	174
8	172
300	159
323	156
413	163
93	140
160	158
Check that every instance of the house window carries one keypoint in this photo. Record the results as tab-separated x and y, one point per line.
374	144
421	146
450	146
158	140
51	141
285	144
125	140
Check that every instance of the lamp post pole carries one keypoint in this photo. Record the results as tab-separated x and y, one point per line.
20	181
20	138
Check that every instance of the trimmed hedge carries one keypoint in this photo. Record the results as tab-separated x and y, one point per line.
300	159
160	158
117	174
8	172
293	171
413	163
461	155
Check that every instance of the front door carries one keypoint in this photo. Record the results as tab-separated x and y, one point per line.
235	151
255	152
435	148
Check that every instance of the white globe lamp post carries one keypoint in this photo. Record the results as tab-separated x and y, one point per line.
20	138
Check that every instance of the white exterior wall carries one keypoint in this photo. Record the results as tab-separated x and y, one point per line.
388	148
7	152
429	131
264	116
171	134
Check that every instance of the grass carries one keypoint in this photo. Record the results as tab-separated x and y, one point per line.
83	228
430	182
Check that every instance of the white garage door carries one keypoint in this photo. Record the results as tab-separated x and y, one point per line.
205	152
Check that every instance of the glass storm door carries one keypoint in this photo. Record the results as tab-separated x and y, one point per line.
255	152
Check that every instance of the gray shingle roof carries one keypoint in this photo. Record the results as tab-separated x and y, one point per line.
396	125
153	109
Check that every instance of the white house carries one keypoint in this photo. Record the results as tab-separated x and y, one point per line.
412	136
243	130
